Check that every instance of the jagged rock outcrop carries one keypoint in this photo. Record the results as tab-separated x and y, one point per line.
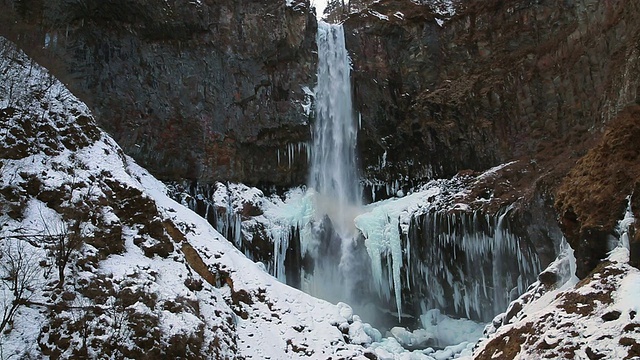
559	317
207	90
594	195
496	81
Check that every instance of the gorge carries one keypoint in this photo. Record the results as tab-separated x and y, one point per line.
436	165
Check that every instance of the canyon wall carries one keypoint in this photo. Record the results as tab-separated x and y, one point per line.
220	91
440	91
207	90
498	80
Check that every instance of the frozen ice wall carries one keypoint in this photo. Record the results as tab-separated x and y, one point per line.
467	264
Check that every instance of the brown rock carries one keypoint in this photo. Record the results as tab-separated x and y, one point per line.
207	90
593	197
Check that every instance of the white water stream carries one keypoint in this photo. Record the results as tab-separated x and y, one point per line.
404	250
334	178
334	171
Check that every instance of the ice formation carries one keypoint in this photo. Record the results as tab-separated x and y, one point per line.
467	263
418	253
293	152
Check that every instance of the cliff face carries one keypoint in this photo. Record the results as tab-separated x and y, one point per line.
215	91
538	81
205	90
602	186
497	81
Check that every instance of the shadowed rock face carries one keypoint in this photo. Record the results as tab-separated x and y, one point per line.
213	91
500	80
537	81
207	90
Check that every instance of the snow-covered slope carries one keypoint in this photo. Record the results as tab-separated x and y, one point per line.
563	318
108	266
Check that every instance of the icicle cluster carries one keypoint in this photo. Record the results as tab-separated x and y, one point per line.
294	152
469	264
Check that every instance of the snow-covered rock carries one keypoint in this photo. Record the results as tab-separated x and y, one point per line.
561	317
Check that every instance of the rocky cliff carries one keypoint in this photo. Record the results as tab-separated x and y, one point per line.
496	81
602	185
489	81
98	263
215	91
205	90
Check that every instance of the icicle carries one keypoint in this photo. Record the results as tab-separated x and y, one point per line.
623	226
496	266
290	154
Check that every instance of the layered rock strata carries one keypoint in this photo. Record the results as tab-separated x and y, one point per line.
204	90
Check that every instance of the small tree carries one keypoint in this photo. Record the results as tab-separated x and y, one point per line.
19	278
61	242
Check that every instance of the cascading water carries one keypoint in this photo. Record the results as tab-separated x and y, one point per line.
334	179
334	173
411	255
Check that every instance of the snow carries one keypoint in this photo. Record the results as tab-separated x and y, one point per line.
453	336
378	15
320	5
550	311
444	9
447	331
270	337
411	338
492	172
281	322
296	5
626	298
308	101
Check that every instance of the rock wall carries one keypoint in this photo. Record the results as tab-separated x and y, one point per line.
539	81
208	90
497	81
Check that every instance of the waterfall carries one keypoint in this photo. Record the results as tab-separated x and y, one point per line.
334	174
334	178
411	254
